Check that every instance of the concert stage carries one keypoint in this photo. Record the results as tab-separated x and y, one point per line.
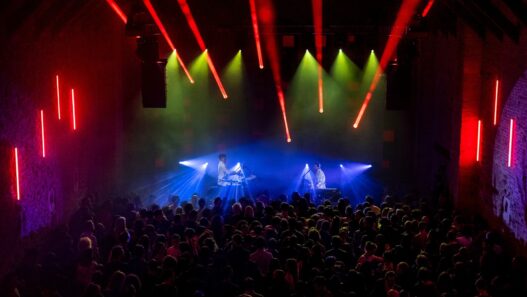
262	168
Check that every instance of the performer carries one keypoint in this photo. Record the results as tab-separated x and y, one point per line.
223	172
320	177
232	183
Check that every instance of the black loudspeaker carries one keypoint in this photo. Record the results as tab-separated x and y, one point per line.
399	77
398	86
153	85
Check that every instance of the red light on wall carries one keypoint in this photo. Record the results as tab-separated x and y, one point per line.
511	136
42	133
17	175
73	111
479	142
58	94
496	95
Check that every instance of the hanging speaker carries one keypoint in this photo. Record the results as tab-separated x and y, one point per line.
153	85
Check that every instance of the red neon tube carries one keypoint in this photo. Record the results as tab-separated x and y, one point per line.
58	94
42	133
511	136
479	142
496	95
73	111
17	175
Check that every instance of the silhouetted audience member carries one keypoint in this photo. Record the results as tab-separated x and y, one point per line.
267	247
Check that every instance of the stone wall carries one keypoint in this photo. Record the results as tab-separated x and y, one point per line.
92	54
509	199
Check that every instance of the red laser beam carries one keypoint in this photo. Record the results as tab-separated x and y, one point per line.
427	8
281	100
404	16
73	111
161	27
362	109
479	142
266	15
58	94
320	90
117	10
317	22
192	23
42	133
216	76
496	96
17	175
195	30
254	19
511	136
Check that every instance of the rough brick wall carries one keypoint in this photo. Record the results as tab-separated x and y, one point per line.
76	163
488	188
510	183
40	181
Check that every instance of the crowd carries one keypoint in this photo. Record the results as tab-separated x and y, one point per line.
266	247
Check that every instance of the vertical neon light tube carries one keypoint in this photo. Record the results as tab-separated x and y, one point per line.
479	142
73	111
254	18
511	136
17	175
496	95
58	94
42	133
